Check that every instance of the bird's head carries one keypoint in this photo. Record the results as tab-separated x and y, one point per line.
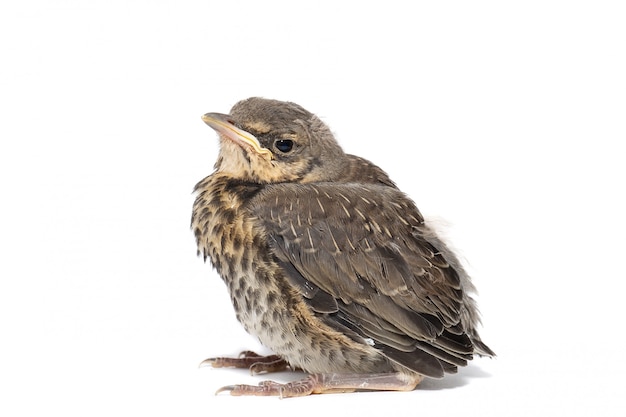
270	141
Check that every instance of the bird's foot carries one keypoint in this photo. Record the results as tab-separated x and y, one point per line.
328	383
257	364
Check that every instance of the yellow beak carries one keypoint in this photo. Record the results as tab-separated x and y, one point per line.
222	125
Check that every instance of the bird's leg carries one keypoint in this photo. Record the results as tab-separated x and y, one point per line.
256	363
328	383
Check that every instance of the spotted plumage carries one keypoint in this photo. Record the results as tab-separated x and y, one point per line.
329	264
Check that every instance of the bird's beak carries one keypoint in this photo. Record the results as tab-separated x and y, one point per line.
223	126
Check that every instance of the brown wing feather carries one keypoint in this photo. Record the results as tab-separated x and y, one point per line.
358	254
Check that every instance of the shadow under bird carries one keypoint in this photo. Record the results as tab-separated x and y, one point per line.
326	261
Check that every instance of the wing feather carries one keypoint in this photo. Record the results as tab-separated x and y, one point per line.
360	257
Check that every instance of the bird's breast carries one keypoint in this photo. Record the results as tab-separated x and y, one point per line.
233	240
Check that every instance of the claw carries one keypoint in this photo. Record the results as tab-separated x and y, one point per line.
226	388
208	362
265	388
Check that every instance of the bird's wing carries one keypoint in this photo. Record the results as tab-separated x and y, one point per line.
361	258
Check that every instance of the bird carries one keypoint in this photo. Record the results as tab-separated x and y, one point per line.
327	262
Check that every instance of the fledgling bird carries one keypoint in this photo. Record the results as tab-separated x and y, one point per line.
326	261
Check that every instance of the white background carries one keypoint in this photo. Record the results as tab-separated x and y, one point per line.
505	119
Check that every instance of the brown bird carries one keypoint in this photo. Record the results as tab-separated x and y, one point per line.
326	261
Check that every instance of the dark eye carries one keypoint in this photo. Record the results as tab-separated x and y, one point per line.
284	145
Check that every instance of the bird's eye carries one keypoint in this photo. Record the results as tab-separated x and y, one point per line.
284	145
